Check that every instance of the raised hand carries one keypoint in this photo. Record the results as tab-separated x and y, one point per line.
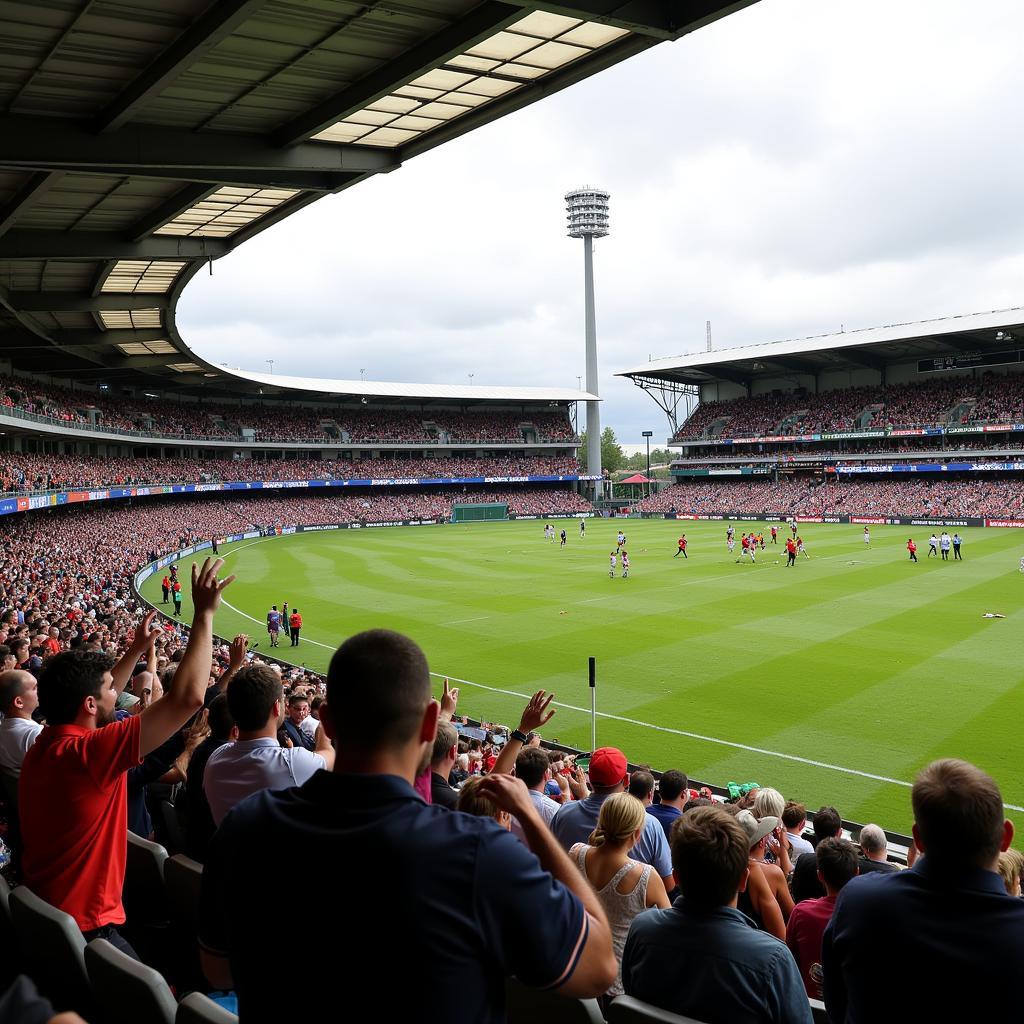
206	588
534	715
449	699
146	634
238	650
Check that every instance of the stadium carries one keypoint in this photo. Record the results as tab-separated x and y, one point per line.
398	646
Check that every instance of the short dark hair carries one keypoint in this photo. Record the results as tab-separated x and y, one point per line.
672	784
446	737
12	686
390	674
837	861
826	823
959	813
641	785
697	801
67	679
297	698
219	717
532	765
252	694
710	853
793	813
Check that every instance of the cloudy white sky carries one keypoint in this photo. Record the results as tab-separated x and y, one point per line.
800	165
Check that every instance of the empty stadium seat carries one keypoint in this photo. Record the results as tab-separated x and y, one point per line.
125	991
535	1006
627	1010
145	901
199	1009
54	951
172	826
183	879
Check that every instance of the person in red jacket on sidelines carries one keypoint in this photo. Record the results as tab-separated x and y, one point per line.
294	626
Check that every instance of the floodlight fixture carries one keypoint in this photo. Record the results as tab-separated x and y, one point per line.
586	212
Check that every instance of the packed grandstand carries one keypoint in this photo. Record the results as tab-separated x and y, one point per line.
168	795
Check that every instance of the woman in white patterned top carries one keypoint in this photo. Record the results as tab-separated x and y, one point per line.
625	887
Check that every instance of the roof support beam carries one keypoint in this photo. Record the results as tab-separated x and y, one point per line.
21	244
86	339
35	188
862	358
181	201
793	364
215	177
215	25
172	153
480	23
75	302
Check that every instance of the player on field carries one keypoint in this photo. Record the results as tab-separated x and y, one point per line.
760	539
790	552
793	527
620	539
957	541
625	564
274	625
944	544
747	547
933	546
800	549
583	527
867	537
912	548
775	534
730	540
562	544
611	566
730	533
681	549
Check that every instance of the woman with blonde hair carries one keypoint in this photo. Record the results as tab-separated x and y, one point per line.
1011	867
624	887
472	801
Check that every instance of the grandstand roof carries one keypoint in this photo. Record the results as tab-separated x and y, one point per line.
431	392
138	142
873	347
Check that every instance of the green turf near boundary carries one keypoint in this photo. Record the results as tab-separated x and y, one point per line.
854	658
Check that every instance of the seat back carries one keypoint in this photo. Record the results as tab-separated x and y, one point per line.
627	1010
145	901
199	1009
125	991
174	833
819	1013
183	879
54	951
536	1006
10	965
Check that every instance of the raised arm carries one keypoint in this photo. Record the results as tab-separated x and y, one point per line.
143	645
162	719
236	659
535	714
323	746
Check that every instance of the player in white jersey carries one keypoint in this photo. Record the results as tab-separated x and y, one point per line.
625	565
620	539
731	543
611	567
867	537
730	533
800	549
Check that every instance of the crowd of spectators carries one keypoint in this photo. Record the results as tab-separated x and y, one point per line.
498	858
285	422
24	473
948	497
991	398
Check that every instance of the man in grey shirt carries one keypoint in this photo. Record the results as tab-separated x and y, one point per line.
18	699
256	760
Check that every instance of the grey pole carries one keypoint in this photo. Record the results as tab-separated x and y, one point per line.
587	218
593	382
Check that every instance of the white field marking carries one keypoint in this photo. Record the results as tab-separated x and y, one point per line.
456	622
705	739
648	725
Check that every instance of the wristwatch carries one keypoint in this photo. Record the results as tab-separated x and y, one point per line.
521	736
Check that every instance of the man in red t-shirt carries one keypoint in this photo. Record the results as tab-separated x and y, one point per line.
912	548
682	548
790	552
837	864
76	843
295	626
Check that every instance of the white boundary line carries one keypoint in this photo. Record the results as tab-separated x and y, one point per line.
796	758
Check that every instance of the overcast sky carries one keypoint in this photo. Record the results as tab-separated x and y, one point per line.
800	165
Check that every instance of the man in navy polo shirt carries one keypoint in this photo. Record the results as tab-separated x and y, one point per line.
942	941
609	774
673	787
428	910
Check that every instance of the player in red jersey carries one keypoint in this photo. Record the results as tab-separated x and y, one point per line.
912	548
681	550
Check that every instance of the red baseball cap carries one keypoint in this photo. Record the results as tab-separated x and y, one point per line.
608	767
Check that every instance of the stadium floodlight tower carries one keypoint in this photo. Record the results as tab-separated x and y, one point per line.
587	215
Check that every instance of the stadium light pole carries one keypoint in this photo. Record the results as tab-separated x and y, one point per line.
648	434
271	362
587	216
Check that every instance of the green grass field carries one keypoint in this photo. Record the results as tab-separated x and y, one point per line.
855	663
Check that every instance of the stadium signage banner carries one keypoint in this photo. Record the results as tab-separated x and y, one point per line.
935	467
857	520
859	435
1005	522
